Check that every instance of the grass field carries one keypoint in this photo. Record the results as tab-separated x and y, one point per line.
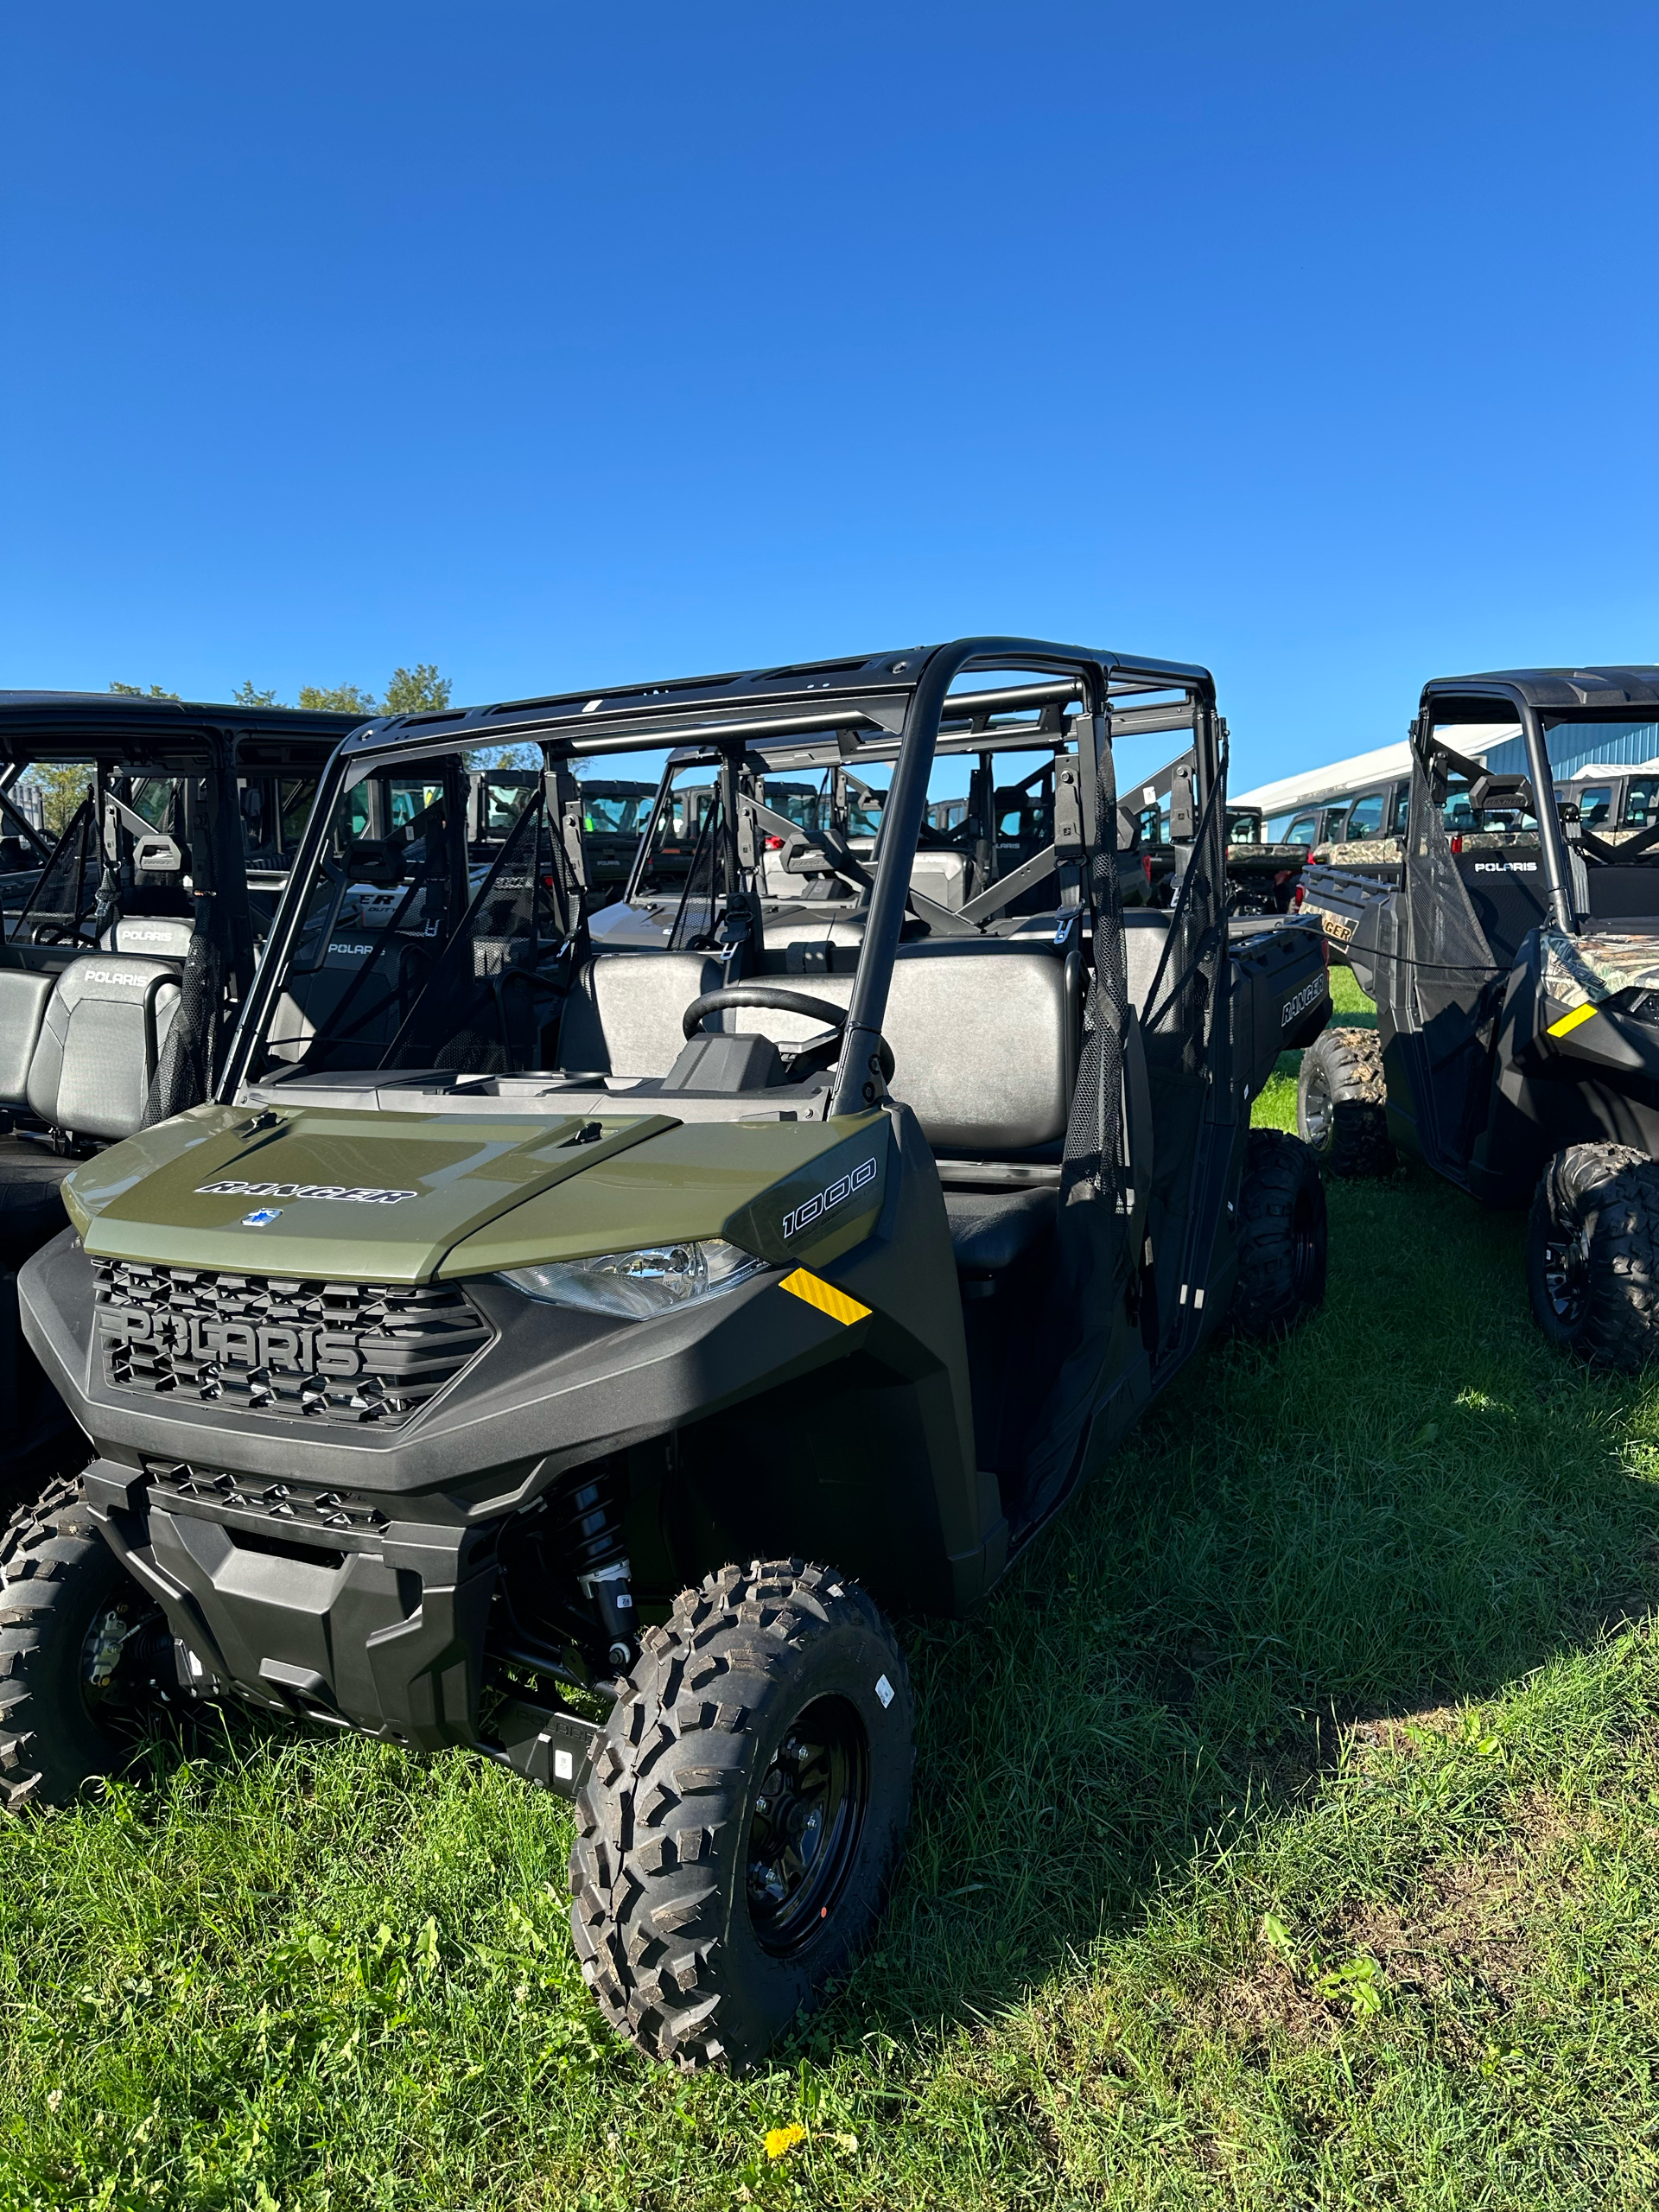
1287	1834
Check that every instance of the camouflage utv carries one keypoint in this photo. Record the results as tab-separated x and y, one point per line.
1515	972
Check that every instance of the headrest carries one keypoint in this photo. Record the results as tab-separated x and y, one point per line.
164	937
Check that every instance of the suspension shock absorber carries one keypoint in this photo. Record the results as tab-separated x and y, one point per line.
586	1511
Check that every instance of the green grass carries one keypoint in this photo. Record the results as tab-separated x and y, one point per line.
1287	1835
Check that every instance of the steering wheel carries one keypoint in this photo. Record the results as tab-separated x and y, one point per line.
783	1001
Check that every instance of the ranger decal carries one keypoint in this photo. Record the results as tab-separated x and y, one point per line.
1304	999
351	1194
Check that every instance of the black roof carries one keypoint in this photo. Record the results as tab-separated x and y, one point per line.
1556	690
868	692
167	733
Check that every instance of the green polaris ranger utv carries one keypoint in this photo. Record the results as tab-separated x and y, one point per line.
1516	971
577	1354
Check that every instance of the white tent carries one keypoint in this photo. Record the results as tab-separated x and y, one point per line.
1364	771
1605	771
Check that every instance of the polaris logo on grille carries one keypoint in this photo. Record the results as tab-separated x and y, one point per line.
348	1193
1304	999
291	1349
804	1216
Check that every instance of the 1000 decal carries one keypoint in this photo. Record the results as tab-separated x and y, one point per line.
811	1209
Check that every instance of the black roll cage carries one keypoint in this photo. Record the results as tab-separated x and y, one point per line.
126	740
889	707
1527	695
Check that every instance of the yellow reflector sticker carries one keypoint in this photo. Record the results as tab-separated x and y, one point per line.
1568	1022
825	1295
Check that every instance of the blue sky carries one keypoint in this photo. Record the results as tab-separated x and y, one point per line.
561	347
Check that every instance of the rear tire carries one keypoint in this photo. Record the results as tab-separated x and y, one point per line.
1342	1104
740	1823
71	1617
1593	1255
1282	1237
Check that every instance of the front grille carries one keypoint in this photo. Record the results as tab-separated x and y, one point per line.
292	1508
327	1352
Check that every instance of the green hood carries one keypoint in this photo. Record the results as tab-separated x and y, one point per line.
403	1198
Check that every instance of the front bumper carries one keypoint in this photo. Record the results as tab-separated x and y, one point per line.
382	1627
348	1575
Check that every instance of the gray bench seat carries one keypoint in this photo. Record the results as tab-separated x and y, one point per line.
984	1031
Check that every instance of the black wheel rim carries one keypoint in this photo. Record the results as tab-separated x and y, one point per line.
1316	1108
809	1813
1567	1275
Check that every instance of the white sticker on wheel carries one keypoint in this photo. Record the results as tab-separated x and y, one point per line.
884	1691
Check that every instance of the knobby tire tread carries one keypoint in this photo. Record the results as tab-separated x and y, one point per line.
1614	1190
659	1816
1352	1061
40	1548
1279	1170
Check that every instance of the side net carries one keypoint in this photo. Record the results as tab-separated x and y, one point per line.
1449	947
185	1069
1455	979
1092	1167
1093	1255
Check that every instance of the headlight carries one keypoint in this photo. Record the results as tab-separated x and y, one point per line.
636	1284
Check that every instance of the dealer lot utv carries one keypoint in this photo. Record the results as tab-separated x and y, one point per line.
130	948
1516	973
526	1323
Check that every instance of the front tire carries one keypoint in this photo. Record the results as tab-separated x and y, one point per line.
73	1624
1593	1255
1282	1236
741	1822
1342	1104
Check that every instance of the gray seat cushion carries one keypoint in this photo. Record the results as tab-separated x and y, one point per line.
23	996
98	1044
990	1230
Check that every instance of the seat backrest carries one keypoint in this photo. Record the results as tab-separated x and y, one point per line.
624	1016
942	877
100	1039
984	1032
23	996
